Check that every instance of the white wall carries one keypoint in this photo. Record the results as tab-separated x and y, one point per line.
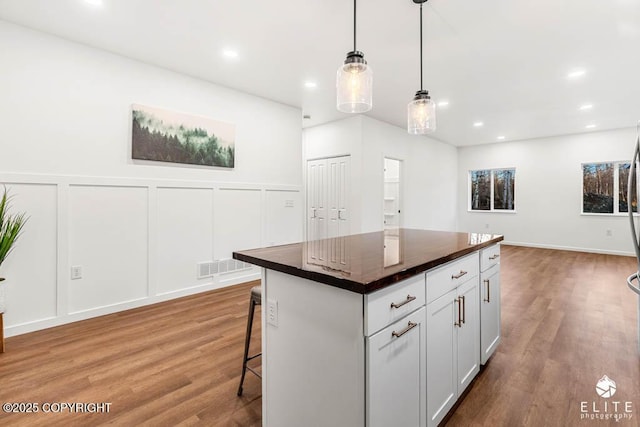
549	191
136	228
428	183
429	171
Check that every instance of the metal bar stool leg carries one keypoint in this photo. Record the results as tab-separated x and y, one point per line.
256	299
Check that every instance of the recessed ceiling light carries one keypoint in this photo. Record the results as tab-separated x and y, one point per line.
501	137
586	107
478	124
576	73
443	103
591	126
230	53
310	84
94	2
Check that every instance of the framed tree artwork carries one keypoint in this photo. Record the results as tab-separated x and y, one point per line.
166	136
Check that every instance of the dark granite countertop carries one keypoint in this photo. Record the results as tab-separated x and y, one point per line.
364	263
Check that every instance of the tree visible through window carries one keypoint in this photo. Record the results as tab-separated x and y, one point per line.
623	203
504	183
492	190
481	190
597	188
604	188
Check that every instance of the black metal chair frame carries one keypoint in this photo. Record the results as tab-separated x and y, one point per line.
256	299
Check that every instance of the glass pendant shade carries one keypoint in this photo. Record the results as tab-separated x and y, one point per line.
421	114
354	85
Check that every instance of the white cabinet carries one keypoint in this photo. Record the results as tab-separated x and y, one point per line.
489	302
468	334
442	388
395	331
391	304
453	334
396	380
399	356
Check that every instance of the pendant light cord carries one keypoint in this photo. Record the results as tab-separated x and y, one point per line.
420	46
354	25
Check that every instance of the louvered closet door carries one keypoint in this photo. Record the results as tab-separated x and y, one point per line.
316	209
338	194
328	212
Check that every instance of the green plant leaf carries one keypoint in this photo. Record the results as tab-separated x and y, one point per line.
11	226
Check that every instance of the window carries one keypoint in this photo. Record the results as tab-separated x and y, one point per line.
604	188
623	185
492	190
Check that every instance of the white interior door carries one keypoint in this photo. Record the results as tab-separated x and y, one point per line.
328	212
338	169
316	209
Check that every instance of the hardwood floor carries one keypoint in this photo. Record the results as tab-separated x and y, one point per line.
567	319
171	364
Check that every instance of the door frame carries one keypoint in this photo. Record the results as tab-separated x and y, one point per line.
400	189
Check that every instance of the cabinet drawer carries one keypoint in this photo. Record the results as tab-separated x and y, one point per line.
449	276
396	374
489	257
390	304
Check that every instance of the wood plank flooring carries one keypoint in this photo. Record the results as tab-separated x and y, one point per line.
567	320
171	364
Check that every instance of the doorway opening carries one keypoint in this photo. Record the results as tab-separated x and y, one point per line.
392	207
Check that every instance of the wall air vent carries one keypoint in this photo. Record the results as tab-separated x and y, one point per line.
227	265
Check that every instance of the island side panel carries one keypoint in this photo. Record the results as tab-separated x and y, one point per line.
314	359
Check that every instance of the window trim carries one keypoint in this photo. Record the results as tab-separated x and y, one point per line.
616	190
491	185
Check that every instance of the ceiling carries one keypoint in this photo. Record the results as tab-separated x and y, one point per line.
501	62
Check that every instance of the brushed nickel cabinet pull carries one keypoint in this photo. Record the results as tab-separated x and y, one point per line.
409	327
488	283
464	310
407	301
494	256
459	322
459	275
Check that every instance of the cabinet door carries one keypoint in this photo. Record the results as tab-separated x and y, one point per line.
468	334
396	379
441	356
489	313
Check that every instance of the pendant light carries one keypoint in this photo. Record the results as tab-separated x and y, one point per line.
354	81
421	111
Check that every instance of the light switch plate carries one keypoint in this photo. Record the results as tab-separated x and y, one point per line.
76	272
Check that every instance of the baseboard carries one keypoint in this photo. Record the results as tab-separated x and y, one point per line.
568	248
51	322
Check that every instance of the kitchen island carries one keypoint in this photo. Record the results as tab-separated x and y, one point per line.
375	329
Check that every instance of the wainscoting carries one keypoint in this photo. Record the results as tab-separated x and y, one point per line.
136	241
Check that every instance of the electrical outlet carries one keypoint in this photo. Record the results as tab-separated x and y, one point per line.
486	226
272	312
609	232
76	272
